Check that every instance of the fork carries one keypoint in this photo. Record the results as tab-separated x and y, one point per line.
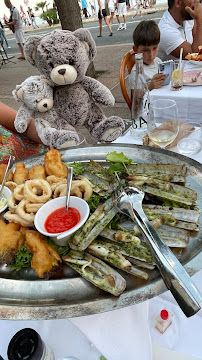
196	77
129	202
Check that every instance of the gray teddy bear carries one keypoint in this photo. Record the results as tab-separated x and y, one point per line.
62	57
36	93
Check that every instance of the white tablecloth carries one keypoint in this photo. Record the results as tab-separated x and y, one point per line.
189	99
119	335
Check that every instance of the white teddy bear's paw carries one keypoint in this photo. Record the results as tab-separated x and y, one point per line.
21	127
111	134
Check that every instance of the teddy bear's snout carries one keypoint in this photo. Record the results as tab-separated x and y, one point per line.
63	74
44	105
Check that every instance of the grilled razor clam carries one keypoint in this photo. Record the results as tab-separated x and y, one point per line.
177	193
101	180
163	177
140	263
187	226
166	172
116	259
174	237
94	225
119	235
96	271
140	252
191	216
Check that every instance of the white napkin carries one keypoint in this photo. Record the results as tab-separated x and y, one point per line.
120	334
183	335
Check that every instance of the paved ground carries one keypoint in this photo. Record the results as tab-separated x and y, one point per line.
107	64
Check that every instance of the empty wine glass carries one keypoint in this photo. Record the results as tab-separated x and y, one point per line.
163	124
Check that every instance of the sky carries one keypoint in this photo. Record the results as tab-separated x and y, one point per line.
17	3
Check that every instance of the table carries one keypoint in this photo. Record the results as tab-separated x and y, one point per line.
123	334
189	99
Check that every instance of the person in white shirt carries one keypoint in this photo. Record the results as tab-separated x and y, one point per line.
180	27
103	14
17	23
146	37
121	10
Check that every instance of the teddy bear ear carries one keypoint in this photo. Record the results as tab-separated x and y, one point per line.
18	93
30	48
85	35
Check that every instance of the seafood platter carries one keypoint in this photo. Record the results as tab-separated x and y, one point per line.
106	264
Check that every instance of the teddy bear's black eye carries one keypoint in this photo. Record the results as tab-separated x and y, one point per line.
71	62
51	65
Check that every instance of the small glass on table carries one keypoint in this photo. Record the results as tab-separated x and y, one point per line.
163	123
177	71
192	138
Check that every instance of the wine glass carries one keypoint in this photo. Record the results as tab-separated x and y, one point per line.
163	123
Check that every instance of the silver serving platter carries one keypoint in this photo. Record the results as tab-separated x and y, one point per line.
24	296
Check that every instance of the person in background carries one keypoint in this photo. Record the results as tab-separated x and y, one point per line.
84	7
146	37
32	17
16	22
121	11
138	11
103	14
180	27
3	36
111	7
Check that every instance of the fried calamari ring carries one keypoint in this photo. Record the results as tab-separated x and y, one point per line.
19	192
11	185
12	217
32	208
43	188
81	187
21	211
13	203
54	181
61	190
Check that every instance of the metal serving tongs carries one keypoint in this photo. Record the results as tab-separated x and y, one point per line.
9	167
69	183
129	202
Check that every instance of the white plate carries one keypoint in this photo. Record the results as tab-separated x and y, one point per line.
198	63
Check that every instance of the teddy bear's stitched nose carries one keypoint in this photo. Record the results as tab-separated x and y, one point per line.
62	71
45	105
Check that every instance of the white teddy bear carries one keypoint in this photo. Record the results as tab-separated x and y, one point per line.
36	94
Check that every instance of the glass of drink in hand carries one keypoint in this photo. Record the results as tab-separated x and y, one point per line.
163	124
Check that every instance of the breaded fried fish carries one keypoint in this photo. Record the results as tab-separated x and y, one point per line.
45	261
2	172
21	173
11	239
54	165
37	172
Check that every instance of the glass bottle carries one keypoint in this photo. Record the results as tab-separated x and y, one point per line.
140	101
27	344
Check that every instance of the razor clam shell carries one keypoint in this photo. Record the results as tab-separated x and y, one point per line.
140	263
171	195
120	283
182	214
83	240
130	269
110	234
158	170
173	237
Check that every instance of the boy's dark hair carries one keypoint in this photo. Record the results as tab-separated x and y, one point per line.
170	3
146	33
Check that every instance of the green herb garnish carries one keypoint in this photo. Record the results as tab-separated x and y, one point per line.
61	250
22	259
102	358
94	201
118	158
78	168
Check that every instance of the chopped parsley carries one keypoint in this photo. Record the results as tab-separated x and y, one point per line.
22	259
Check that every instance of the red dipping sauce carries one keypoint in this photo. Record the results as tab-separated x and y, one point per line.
62	220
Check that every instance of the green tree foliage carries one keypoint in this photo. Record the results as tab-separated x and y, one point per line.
50	16
41	5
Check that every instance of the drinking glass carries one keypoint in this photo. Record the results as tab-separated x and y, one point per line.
177	70
163	123
82	141
192	141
